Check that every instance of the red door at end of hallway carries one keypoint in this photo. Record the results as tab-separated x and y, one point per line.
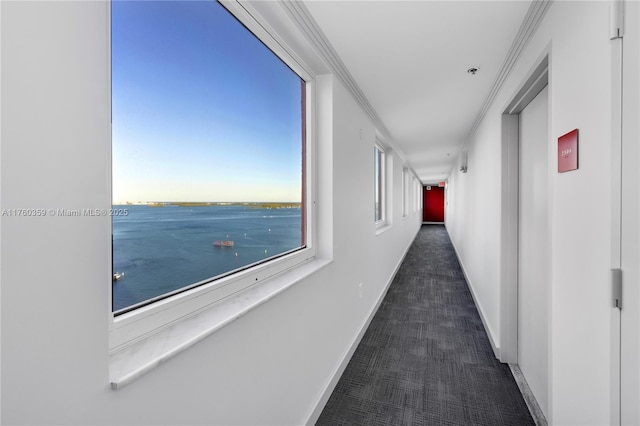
433	208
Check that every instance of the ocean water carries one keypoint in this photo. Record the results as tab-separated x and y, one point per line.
161	249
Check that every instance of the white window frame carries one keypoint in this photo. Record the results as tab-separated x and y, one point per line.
130	328
416	194
381	178
405	192
413	194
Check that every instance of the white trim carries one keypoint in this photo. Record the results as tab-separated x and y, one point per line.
617	69
509	240
135	360
1	201
382	229
389	192
530	24
626	342
535	81
331	383
405	192
248	17
476	301
131	329
382	177
140	324
307	25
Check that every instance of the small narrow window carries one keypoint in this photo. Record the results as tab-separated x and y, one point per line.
405	192
416	194
208	150
379	184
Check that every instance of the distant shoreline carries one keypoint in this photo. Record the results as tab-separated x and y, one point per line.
252	205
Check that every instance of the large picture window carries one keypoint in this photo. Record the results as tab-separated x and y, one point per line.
208	150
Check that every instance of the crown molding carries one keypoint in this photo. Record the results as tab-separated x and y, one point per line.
532	20
308	26
302	18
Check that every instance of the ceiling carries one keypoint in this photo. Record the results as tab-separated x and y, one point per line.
410	60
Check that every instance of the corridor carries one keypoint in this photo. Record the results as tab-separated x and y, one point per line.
426	359
334	118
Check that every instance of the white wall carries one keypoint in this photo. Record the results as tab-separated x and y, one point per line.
268	367
576	36
473	222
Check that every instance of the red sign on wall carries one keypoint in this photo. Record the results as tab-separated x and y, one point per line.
568	151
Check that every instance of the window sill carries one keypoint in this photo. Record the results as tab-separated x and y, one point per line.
128	364
381	229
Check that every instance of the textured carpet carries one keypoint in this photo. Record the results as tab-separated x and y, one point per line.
426	358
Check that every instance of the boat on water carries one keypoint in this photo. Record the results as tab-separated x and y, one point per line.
223	243
117	276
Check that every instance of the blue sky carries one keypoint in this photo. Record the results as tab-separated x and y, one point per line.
202	111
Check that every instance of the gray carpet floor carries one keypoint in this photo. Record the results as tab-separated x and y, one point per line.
425	358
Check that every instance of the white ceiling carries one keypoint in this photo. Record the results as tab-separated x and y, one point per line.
410	59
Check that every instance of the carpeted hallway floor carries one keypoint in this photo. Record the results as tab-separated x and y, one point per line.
426	359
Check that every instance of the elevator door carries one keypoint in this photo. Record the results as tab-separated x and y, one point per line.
533	262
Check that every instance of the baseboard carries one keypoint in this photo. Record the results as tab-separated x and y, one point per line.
492	340
346	356
433	223
527	395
